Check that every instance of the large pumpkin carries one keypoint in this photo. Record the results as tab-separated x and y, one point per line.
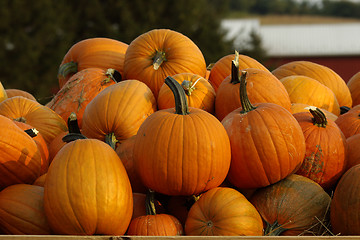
99	52
267	143
295	205
22	210
181	151
159	53
223	211
320	73
353	151
87	190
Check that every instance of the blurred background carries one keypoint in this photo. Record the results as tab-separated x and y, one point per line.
35	35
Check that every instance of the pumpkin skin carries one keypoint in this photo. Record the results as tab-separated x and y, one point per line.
223	211
56	144
22	210
349	122
20	159
179	54
302	107
302	89
353	153
181	151
119	109
3	94
18	92
289	207
40	181
79	90
87	190
45	120
222	68
267	143
344	211
320	73
199	95
354	85
325	155
101	53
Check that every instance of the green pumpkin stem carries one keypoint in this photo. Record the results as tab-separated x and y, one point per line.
32	132
111	140
181	105
113	75
189	86
319	118
158	59
274	229
74	130
150	203
244	99
68	68
235	69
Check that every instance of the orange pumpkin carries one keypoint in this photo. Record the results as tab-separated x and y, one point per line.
199	93
18	92
267	143
40	181
181	151
354	86
3	94
159	53
320	73
353	153
223	211
349	122
99	52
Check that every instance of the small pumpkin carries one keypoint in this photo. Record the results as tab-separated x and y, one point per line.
12	92
349	122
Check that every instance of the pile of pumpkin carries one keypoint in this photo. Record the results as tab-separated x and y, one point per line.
144	139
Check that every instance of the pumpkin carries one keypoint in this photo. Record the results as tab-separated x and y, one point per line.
22	210
302	89
223	211
20	159
267	143
179	206
303	107
325	154
262	86
45	120
139	208
199	93
153	224
159	53
40	181
98	52
320	73
56	144
344	211
119	109
222	67
87	190
353	153
3	94
354	85
349	122
12	92
292	206
79	90
181	151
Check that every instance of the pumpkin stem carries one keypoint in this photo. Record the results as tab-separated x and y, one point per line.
210	66
149	203
181	105
113	75
32	132
244	99
344	109
67	68
74	130
158	59
111	140
319	118
274	229
188	86
235	69
20	119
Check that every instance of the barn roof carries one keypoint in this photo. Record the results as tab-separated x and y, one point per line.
337	39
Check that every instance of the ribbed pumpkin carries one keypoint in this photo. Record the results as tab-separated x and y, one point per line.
302	89
292	206
159	53
302	107
119	109
261	87
18	92
353	151
222	67
22	210
345	205
349	122
267	143
181	151
325	155
99	52
223	211
320	73
354	86
45	120
87	190
79	90
20	159
199	93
